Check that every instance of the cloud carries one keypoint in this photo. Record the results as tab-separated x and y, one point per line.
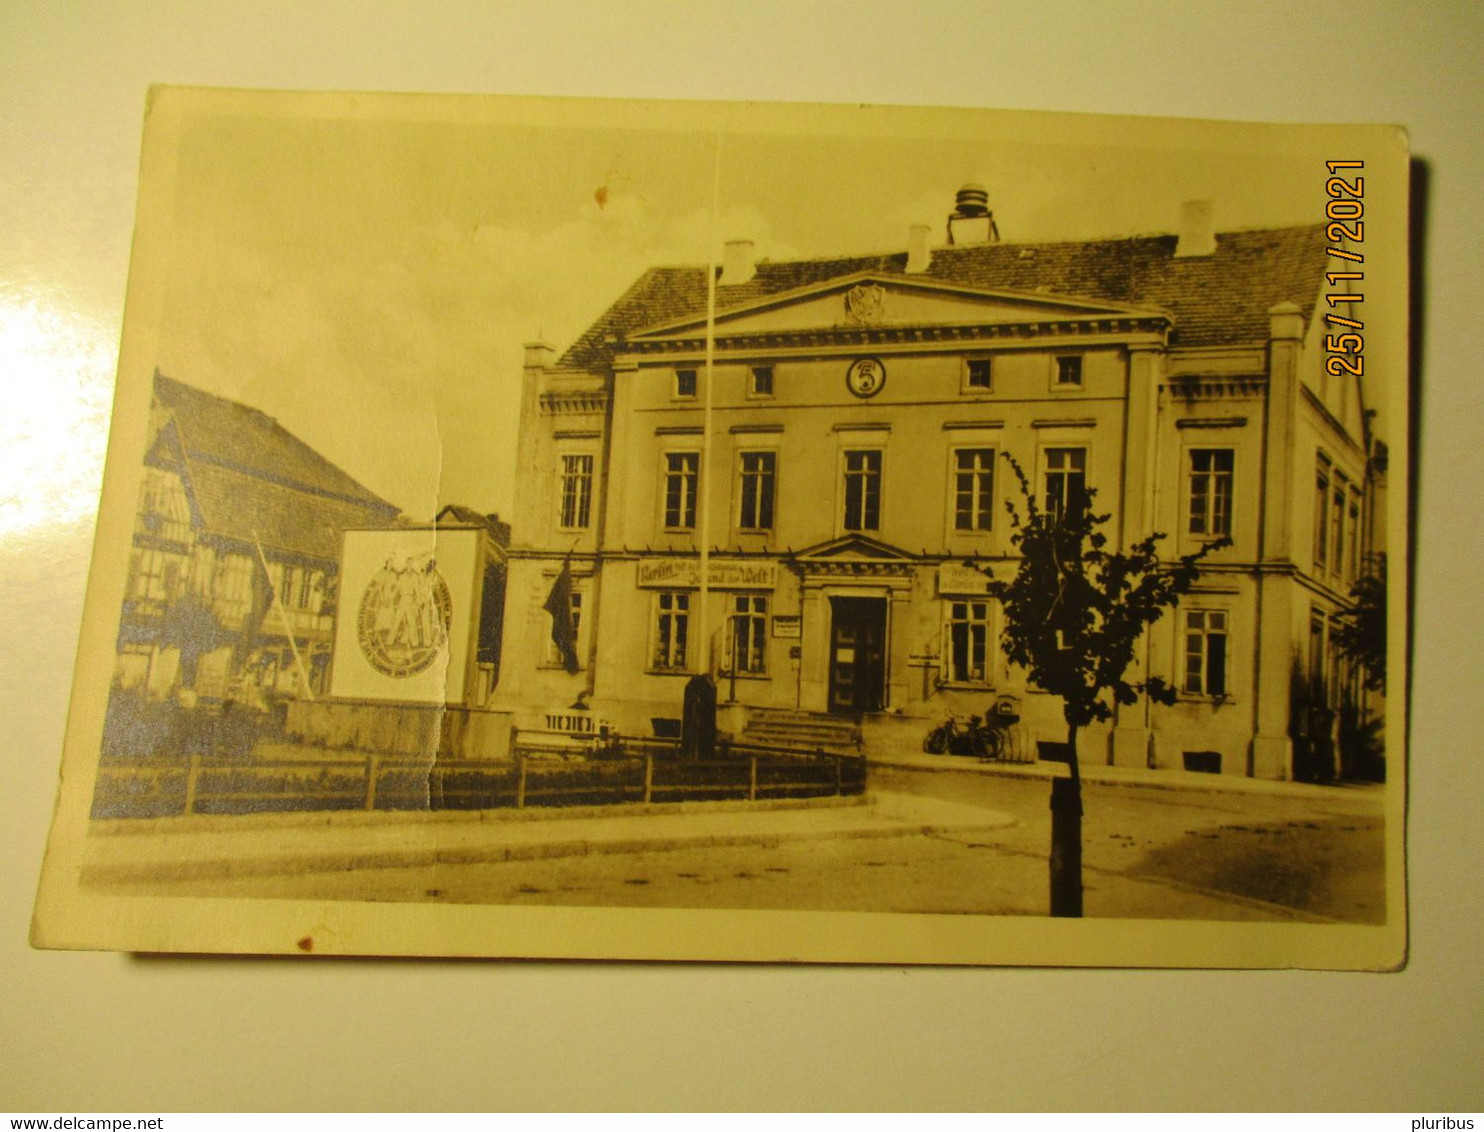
400	359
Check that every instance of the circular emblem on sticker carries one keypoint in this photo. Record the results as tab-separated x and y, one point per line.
404	617
865	377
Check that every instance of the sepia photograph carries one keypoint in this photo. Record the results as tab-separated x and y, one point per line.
707	531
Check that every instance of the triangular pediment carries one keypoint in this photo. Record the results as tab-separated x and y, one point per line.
854	547
878	300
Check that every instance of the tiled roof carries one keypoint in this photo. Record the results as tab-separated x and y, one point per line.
498	529
235	435
249	475
1215	300
284	519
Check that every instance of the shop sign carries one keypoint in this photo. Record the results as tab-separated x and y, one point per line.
721	574
956	578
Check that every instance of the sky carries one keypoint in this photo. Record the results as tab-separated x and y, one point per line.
369	276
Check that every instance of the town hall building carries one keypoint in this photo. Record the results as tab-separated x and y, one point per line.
811	526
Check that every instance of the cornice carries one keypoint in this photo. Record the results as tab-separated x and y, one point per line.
1215	387
573	401
854	335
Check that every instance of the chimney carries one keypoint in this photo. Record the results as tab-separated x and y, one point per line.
539	355
971	222
1197	229
918	256
737	264
1285	322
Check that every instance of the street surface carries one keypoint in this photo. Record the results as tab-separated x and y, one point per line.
1149	852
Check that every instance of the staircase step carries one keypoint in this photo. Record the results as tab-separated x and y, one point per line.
802	732
791	739
800	716
802	728
805	730
800	742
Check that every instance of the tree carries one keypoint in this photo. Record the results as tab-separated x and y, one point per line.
1361	635
1074	614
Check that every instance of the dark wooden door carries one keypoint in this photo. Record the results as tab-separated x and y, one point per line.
857	654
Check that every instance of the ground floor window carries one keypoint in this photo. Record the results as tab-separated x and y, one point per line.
968	642
1205	653
671	629
576	600
749	633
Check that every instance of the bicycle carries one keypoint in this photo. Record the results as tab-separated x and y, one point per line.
974	737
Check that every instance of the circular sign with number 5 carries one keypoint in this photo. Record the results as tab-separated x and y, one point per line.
865	377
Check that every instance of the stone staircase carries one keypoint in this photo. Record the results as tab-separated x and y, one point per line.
801	731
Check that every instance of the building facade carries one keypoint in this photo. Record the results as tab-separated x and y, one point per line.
233	572
838	485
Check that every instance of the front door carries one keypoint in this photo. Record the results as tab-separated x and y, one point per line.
857	654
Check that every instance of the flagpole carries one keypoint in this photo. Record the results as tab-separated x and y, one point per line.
288	627
703	638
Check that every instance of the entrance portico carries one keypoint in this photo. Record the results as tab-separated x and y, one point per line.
854	593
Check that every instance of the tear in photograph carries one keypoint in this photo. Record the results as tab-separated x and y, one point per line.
619	530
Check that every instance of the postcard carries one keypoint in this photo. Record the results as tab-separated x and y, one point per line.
766	533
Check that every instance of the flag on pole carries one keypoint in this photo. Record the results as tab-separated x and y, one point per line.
559	605
261	598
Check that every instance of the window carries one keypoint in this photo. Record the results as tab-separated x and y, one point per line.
755	509
1066	479
978	374
1352	537
233	584
297	584
1211	492
1334	676
968	642
151	580
682	477
1339	489
1205	653
749	633
1321	497
304	590
553	653
685	383
1318	694
164	509
1069	372
863	490
577	491
973	488
760	381
671	627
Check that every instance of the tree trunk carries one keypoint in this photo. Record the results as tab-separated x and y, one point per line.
1066	836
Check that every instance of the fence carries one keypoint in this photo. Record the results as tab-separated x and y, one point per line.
642	773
